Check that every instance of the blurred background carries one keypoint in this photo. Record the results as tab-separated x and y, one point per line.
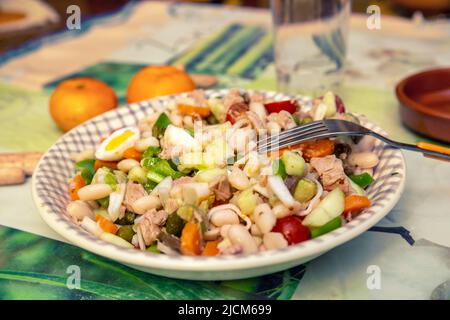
27	19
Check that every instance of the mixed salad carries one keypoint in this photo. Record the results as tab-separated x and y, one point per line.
189	180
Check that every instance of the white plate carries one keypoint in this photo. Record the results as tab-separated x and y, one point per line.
50	194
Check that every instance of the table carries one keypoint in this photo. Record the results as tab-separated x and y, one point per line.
409	249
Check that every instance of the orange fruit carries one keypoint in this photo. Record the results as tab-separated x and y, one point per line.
79	99
154	81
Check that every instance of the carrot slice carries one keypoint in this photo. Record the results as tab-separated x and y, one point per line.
316	148
211	248
190	240
76	184
132	153
188	109
109	164
105	224
355	203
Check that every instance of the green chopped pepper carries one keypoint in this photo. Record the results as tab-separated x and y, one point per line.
330	226
279	169
86	168
151	152
103	202
363	180
149	186
158	169
160	125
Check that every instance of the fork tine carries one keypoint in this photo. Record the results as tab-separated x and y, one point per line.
285	142
290	133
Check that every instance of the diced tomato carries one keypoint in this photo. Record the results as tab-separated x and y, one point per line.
211	248
132	153
340	107
277	106
190	110
355	203
106	225
292	229
190	240
109	164
76	184
235	111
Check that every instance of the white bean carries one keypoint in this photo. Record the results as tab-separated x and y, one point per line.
274	240
238	235
281	211
224	217
264	218
212	234
224	230
273	127
79	209
238	179
363	159
254	230
84	155
143	204
367	143
126	165
94	191
258	241
143	144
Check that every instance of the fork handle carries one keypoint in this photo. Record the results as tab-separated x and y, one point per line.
426	146
429	150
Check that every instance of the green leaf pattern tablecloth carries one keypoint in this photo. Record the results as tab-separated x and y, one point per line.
410	246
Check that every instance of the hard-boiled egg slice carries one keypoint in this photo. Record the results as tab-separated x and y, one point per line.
113	147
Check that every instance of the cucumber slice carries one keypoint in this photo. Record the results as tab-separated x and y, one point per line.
330	207
305	190
294	163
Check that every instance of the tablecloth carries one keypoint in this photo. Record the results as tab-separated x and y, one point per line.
409	248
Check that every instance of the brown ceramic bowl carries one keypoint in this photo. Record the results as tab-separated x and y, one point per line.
425	103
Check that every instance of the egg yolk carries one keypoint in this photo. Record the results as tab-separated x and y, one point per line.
117	141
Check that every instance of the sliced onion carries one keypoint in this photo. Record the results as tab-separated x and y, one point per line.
278	187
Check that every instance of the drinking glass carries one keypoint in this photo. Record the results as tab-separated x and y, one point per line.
310	41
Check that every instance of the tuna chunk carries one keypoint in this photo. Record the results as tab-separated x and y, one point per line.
221	188
134	191
331	172
150	225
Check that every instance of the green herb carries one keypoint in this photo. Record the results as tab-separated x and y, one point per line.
362	180
160	125
296	119
86	168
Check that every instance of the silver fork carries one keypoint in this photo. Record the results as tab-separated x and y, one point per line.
333	128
